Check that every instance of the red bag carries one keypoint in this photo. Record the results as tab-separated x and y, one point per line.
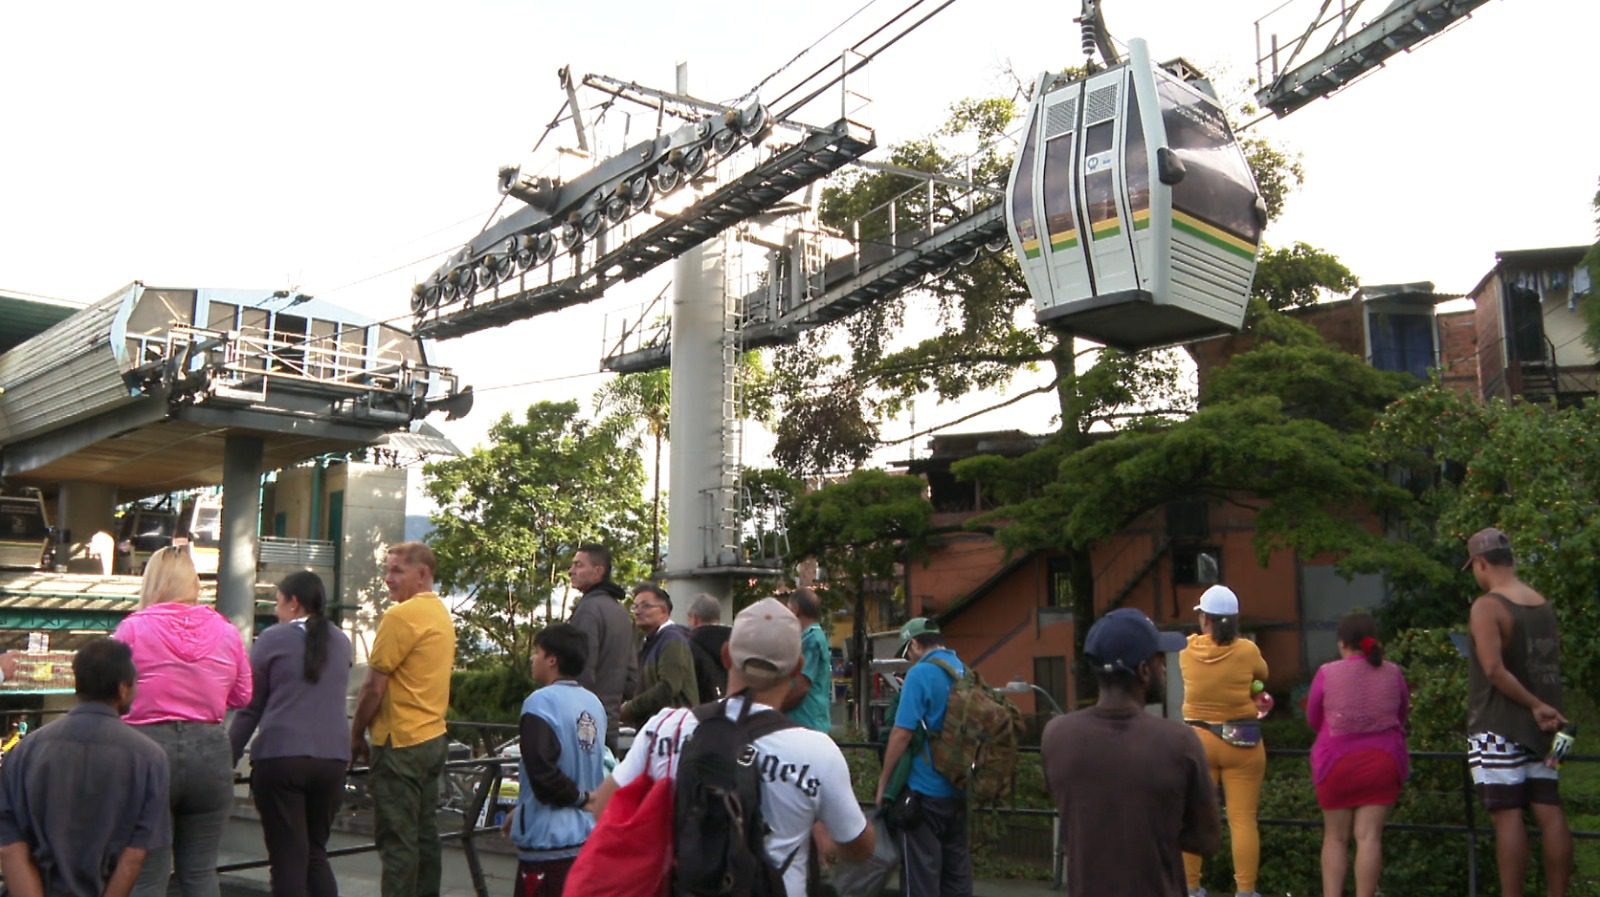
629	853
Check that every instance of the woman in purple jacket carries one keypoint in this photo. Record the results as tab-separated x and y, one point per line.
1358	706
298	761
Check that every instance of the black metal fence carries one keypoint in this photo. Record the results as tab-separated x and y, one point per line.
1017	832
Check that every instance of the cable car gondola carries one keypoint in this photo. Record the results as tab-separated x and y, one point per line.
1111	252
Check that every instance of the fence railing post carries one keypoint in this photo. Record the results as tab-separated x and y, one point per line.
489	781
1472	828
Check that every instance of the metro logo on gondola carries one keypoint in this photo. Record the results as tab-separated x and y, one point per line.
1147	165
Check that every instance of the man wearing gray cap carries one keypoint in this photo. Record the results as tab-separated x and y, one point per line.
804	778
1133	790
1514	710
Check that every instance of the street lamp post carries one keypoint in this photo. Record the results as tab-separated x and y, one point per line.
1019	687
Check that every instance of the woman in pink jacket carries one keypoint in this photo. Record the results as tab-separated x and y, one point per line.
192	669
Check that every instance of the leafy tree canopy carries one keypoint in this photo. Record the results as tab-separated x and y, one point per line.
1283	429
860	525
1533	471
512	513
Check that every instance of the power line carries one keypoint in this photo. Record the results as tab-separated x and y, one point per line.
797	57
539	381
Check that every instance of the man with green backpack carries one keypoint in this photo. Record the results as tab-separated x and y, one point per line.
953	759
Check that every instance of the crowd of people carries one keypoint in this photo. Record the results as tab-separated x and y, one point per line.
1138	795
732	758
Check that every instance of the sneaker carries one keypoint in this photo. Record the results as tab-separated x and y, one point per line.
1197	892
1249	894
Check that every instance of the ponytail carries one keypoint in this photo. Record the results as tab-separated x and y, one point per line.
1223	629
1372	650
306	587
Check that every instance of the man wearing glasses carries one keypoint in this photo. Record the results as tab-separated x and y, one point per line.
666	665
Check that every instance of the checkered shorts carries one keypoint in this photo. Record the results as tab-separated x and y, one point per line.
1508	775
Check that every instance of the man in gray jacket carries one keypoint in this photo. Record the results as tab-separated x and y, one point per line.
613	664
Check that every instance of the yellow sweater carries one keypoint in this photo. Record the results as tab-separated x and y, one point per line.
1216	679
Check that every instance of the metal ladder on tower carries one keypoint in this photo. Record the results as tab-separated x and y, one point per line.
728	514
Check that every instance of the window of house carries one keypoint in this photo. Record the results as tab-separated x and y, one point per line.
1402	342
1196	565
1059	591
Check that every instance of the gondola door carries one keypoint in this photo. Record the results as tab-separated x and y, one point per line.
1103	194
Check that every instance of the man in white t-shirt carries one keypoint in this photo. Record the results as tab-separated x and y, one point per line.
804	778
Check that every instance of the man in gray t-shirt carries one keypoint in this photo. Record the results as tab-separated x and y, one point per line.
66	833
1133	790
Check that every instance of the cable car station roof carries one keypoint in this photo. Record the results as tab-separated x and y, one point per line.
141	389
24	317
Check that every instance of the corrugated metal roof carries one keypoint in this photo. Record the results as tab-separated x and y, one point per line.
24	317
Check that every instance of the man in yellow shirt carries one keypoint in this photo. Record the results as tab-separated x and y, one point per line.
402	704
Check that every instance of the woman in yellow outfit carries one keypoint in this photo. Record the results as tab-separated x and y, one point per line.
1218	671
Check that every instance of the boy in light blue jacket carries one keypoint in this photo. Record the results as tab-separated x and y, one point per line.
562	737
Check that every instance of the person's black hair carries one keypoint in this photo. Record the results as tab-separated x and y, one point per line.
567	644
655	590
1117	680
100	666
806	604
1499	557
1355	628
306	587
1223	629
929	639
598	555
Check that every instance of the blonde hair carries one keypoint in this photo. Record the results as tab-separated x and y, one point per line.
170	576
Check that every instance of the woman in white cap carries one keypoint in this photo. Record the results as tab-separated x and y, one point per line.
1219	672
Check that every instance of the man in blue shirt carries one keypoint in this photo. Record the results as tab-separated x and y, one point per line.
809	703
936	859
562	732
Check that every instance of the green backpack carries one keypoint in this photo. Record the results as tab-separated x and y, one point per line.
977	748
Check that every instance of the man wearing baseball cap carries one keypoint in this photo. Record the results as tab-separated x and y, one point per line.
1514	709
935	858
1133	790
804	776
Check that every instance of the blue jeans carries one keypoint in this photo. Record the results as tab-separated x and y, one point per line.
201	797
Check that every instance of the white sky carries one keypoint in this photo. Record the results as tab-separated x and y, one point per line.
316	145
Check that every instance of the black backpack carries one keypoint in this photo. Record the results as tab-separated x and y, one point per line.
720	849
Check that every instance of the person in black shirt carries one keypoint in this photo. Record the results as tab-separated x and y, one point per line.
706	637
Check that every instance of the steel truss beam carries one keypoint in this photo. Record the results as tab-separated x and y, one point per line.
816	156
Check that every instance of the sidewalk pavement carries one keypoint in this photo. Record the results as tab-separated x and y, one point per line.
359	874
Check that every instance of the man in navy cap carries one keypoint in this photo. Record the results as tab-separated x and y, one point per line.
1133	790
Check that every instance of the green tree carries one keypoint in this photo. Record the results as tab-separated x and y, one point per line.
857	528
512	513
981	343
647	398
1530	469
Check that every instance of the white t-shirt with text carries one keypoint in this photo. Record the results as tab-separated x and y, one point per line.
804	779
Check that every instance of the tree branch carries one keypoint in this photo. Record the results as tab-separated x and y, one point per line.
1048	387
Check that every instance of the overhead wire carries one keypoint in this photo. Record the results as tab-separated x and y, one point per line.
798	56
866	58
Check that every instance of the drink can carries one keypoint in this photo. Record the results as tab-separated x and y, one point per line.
1562	745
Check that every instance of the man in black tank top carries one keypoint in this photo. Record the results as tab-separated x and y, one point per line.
1514	698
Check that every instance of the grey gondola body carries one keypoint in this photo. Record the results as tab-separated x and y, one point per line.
1133	212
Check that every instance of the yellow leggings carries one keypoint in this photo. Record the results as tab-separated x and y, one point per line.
1240	771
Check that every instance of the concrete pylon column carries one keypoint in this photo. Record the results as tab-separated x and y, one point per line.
83	509
241	520
695	471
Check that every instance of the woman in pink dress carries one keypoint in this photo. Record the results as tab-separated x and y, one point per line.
1358	707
